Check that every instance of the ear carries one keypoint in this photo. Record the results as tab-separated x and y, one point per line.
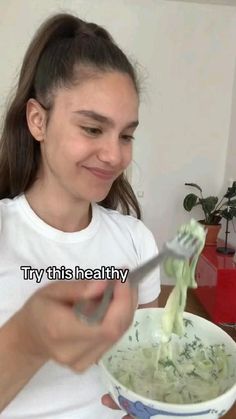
36	119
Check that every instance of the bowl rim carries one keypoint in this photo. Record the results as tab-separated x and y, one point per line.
186	406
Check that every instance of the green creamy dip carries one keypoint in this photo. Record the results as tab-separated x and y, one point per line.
171	371
183	272
187	373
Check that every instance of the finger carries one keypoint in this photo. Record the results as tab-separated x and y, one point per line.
88	357
108	401
73	291
80	354
64	326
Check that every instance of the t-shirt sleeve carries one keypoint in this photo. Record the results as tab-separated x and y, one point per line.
149	288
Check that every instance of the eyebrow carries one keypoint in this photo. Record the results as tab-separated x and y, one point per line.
103	119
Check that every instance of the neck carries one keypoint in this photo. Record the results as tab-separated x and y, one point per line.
58	209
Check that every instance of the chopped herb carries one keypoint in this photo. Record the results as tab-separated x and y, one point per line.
186	372
193	374
188	322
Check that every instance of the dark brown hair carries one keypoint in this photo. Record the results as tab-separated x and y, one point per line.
64	49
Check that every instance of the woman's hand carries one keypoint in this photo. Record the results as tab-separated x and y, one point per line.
109	402
49	329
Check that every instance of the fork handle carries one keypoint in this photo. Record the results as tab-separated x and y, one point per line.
97	315
139	273
134	278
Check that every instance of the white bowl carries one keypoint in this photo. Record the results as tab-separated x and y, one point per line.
147	328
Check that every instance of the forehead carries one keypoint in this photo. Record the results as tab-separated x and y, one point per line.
112	94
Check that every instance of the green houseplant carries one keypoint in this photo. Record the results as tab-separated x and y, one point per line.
213	208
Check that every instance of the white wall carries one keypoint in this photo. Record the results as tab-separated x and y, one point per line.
230	167
186	52
215	2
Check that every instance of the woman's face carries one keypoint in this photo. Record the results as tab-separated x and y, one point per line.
88	140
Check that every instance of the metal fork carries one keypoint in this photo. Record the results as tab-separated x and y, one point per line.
183	246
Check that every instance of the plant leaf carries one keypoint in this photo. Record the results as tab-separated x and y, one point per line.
194	185
231	192
209	203
233	211
227	214
190	201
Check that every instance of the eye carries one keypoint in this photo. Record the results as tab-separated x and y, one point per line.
127	138
93	132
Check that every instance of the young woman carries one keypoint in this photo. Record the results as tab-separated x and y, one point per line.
66	142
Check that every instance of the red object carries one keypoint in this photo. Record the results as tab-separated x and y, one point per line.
216	279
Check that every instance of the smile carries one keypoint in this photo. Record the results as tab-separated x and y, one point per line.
102	174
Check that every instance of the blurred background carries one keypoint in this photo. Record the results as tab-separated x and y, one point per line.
185	55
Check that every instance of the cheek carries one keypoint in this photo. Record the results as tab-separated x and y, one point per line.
78	151
65	147
127	155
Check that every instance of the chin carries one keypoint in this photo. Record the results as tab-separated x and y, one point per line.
96	196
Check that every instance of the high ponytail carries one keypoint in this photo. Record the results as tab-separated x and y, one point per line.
62	45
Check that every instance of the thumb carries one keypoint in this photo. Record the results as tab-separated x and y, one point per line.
74	290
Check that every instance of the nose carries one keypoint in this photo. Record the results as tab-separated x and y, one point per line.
110	151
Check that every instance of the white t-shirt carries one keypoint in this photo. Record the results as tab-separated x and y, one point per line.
111	239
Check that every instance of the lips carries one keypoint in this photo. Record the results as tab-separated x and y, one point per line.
101	173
